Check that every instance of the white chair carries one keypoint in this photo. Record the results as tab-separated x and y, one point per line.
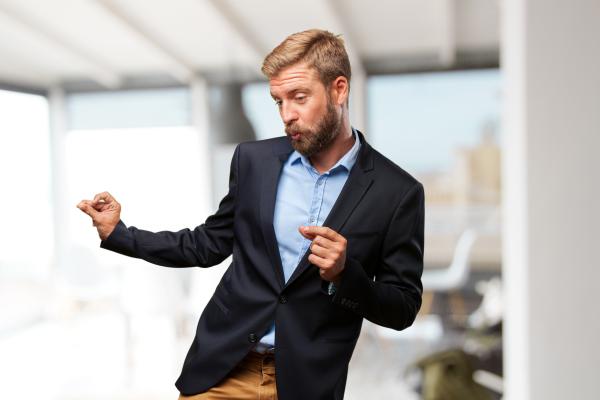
456	275
453	278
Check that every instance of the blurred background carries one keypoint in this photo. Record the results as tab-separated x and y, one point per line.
492	105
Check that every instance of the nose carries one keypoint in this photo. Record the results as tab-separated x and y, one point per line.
288	113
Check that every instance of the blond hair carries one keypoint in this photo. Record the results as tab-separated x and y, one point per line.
320	49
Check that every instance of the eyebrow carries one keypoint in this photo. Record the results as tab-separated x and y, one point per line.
293	91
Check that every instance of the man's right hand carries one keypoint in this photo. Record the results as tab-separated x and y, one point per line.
105	212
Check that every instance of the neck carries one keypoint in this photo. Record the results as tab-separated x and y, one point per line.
326	158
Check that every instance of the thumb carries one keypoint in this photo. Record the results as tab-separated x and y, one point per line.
88	209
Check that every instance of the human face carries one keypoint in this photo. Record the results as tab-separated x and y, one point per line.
306	108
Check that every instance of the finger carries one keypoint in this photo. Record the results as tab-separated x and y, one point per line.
103	196
313	230
304	232
320	251
83	202
320	262
97	207
88	209
324	242
102	206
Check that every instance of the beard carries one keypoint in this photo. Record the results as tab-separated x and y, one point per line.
315	139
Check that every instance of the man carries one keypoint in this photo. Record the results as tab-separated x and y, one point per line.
324	231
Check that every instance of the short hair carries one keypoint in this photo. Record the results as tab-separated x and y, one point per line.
320	49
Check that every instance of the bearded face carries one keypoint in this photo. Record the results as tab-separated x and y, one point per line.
310	140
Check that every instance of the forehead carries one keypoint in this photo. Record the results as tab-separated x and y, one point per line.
293	77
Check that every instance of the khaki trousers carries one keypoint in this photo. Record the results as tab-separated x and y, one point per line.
252	379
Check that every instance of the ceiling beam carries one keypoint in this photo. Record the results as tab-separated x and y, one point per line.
333	14
179	69
238	25
101	73
21	68
15	87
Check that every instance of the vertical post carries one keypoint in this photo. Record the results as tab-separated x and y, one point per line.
358	96
551	167
58	130
200	121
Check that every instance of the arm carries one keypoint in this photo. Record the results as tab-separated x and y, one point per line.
207	245
394	298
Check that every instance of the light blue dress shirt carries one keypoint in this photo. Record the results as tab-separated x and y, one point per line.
304	197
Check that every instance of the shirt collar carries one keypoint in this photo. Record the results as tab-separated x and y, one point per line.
347	160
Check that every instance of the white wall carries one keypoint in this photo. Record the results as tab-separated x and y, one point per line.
551	64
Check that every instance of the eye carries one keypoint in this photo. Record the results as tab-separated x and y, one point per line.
301	98
278	103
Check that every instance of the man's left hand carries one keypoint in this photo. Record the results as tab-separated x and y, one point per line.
328	251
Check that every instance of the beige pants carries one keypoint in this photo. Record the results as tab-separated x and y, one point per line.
252	379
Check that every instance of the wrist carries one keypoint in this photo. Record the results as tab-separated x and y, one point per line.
105	233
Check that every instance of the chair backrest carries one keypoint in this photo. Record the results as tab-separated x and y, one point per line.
458	271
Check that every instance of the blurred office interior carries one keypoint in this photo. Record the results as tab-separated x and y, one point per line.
492	105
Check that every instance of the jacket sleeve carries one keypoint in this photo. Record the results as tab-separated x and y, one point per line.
393	299
207	245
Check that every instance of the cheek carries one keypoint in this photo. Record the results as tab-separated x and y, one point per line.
311	116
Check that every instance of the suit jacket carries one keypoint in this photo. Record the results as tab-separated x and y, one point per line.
380	211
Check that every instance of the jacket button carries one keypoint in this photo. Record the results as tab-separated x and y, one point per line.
282	299
252	338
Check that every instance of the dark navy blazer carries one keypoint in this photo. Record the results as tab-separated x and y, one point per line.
380	211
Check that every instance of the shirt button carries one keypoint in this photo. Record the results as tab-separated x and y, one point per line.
252	338
282	299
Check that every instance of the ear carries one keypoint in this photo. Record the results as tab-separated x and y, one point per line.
339	90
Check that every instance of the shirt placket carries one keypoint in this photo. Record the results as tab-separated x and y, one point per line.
315	207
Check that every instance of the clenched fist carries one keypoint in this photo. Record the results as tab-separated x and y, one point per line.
105	212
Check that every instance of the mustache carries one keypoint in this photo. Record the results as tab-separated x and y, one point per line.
291	129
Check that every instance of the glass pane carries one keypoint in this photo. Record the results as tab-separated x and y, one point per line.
26	237
129	109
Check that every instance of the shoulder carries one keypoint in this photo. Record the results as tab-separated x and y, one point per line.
388	170
280	142
392	183
255	155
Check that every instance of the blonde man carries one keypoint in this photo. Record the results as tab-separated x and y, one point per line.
324	231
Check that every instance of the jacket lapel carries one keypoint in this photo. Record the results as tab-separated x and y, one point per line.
272	168
358	182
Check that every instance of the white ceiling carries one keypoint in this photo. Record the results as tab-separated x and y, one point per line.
111	42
